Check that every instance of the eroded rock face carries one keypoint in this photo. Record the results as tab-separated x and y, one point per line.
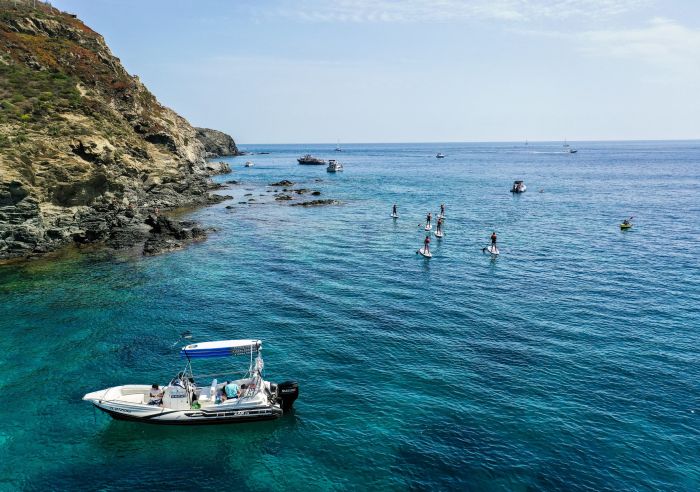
86	151
216	143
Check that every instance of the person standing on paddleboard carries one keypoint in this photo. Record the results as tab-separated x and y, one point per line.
493	239
426	245
442	209
439	225
427	219
393	210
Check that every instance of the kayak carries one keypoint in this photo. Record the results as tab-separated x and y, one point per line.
625	226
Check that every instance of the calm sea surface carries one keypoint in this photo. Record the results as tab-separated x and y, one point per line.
569	363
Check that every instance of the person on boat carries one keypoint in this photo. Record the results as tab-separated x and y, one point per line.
155	396
439	225
393	210
493	239
426	245
626	222
427	219
442	209
230	391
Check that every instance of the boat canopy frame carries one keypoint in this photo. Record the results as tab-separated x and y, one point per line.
223	348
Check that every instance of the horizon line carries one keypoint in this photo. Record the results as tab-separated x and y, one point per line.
521	142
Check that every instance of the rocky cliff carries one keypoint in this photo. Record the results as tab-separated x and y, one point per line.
86	151
216	143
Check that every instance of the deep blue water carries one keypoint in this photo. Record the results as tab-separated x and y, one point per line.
569	363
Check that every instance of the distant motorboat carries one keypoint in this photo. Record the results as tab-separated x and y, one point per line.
308	159
249	164
334	166
568	149
337	147
440	155
518	187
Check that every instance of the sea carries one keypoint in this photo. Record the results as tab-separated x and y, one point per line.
569	362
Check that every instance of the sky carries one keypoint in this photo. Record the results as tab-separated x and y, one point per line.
303	71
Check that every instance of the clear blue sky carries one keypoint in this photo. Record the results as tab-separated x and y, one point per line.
278	71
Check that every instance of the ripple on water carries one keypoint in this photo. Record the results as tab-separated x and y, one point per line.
568	363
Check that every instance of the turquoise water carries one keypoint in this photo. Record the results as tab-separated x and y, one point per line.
570	362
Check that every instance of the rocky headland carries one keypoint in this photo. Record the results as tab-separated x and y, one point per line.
86	151
216	143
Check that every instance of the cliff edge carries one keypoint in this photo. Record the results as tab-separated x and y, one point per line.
86	151
216	143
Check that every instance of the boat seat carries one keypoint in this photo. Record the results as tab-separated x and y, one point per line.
135	398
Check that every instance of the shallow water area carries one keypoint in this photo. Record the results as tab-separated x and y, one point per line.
569	362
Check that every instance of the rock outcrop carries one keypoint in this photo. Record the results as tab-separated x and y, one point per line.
316	203
216	143
86	151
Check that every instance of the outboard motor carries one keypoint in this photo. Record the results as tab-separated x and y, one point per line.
287	393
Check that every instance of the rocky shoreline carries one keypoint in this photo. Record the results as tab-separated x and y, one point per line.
87	154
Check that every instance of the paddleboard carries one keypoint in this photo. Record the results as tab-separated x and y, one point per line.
439	233
493	250
394	216
428	227
422	252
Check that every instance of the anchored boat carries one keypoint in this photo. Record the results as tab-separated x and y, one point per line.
518	187
308	159
334	166
183	402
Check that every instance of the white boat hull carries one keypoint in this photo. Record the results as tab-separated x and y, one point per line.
122	403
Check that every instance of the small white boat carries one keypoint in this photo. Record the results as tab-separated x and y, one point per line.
249	164
518	187
440	155
183	402
568	149
334	166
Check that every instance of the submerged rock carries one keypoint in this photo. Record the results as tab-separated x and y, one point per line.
169	235
282	183
315	203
